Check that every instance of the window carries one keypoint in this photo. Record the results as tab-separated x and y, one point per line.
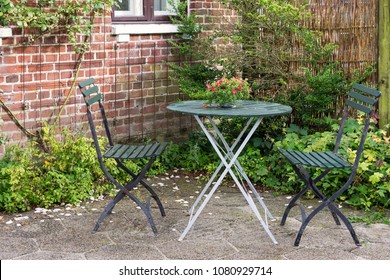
143	10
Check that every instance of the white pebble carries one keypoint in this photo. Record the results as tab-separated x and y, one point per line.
21	218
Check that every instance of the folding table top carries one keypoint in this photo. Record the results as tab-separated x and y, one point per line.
245	108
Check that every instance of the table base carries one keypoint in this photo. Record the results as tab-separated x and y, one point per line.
229	159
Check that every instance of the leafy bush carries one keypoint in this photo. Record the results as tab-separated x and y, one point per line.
68	173
371	186
316	97
192	155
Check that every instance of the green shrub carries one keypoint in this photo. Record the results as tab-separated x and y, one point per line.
267	168
371	186
314	99
68	173
192	155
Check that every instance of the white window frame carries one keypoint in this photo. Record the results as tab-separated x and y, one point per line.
135	5
122	30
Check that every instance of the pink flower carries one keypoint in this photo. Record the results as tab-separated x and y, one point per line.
234	91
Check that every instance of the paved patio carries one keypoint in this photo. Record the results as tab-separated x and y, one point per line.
226	230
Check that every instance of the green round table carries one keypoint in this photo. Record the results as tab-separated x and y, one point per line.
255	111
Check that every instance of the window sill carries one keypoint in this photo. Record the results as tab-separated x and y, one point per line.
123	30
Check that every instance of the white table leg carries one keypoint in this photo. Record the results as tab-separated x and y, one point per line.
237	163
233	161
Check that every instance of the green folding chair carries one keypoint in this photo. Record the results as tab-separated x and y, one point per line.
362	99
120	153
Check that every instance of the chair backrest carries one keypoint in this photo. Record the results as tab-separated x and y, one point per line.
362	99
92	95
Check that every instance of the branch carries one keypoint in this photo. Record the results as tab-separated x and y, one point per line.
16	121
79	62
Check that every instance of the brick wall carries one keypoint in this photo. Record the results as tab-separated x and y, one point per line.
35	81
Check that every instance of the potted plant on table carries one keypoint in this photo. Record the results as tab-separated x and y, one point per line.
227	93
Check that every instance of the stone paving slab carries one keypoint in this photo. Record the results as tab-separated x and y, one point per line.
226	230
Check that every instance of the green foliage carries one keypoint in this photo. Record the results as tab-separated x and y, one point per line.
5	7
69	173
192	78
71	17
189	29
3	138
194	154
372	217
371	186
263	39
266	167
314	99
259	47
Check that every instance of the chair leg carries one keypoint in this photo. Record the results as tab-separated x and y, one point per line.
347	224
323	198
334	211
306	222
125	190
119	197
143	183
304	175
108	209
293	203
156	198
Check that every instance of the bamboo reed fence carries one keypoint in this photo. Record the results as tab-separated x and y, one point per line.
350	24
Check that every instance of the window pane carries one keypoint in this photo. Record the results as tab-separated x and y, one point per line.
130	8
162	7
